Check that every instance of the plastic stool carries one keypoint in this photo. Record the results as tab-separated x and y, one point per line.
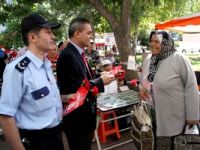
107	128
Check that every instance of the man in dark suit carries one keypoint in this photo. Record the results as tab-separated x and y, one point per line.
72	68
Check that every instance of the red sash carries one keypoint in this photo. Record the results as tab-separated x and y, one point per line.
78	98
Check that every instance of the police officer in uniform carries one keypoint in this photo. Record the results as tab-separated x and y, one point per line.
30	105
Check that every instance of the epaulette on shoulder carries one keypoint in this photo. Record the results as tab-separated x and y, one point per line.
21	66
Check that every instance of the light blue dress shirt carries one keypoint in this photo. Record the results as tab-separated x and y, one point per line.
32	96
80	50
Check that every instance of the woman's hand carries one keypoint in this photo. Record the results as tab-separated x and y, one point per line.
143	93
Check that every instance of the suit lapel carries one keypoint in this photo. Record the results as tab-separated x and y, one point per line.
78	59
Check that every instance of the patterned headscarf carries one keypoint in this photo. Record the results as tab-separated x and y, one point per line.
167	48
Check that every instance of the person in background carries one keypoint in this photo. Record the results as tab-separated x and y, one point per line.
197	73
3	58
13	54
168	82
92	54
61	46
21	51
72	68
31	112
53	56
110	56
114	49
119	73
93	58
107	69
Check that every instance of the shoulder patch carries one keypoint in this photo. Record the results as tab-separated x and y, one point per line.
21	66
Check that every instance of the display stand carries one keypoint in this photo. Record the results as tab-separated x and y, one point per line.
115	101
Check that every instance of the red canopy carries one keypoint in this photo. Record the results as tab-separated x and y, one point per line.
188	23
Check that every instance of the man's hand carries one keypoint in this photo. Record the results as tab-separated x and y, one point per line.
143	93
107	78
65	98
11	132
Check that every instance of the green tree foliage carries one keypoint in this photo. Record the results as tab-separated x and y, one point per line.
162	11
11	17
143	15
13	14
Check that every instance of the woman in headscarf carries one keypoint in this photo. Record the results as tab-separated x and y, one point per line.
169	83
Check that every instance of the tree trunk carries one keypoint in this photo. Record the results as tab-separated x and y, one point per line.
134	44
121	27
123	44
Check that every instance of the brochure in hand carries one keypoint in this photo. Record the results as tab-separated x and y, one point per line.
79	97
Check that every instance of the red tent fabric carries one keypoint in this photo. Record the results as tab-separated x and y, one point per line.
188	23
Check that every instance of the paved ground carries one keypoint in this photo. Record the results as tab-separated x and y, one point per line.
111	141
